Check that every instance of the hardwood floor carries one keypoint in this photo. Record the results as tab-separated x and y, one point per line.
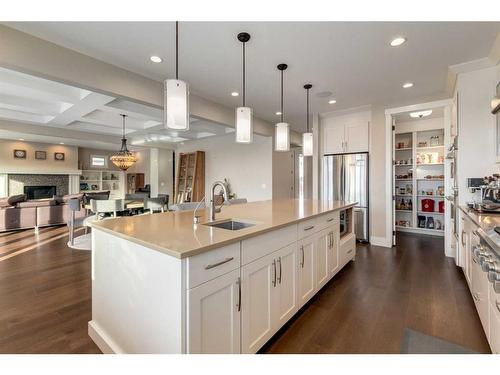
369	304
45	300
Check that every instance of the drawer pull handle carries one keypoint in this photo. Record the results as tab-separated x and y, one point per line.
350	251
474	260
274	280
302	249
239	294
329	220
498	305
279	277
309	228
219	263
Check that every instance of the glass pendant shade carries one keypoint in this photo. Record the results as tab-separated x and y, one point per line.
244	125
124	158
176	104
282	137
307	144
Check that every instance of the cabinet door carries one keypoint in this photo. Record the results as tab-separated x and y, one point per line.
480	294
286	302
495	323
356	137
334	138
322	249
214	316
333	254
306	269
258	292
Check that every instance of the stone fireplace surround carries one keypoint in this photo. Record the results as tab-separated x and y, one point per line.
16	182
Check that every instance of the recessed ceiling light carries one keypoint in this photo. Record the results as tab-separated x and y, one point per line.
61	143
407	85
278	113
421	114
21	139
333	101
235	93
156	59
398	41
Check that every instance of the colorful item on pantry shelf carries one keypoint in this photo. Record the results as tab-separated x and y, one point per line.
428	205
440	191
421	221
430	222
422	144
439	225
441	206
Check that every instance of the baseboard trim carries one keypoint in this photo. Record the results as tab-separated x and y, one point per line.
103	342
380	241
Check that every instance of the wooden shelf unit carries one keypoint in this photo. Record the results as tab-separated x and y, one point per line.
190	177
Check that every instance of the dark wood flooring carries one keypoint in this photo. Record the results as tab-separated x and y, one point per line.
45	300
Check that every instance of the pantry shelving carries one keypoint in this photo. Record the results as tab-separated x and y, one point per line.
418	176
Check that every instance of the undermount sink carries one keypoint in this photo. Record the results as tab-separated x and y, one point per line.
230	224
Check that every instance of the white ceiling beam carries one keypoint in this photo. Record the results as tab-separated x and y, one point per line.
28	105
24	117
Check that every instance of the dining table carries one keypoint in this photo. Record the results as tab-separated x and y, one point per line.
129	204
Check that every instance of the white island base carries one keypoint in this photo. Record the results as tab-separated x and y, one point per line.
228	299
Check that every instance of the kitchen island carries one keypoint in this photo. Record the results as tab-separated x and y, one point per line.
161	284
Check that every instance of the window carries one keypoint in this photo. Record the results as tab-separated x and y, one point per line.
98	161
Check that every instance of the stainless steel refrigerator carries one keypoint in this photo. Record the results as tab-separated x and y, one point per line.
345	177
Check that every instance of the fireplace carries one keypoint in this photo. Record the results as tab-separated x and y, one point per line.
39	192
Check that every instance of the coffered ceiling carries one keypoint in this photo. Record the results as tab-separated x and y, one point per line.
350	60
48	105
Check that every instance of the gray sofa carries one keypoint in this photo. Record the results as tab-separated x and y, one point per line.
18	213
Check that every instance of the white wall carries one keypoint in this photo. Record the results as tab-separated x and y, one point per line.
247	167
30	164
476	127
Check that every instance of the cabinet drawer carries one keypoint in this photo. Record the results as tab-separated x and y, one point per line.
307	227
328	220
214	263
347	248
257	247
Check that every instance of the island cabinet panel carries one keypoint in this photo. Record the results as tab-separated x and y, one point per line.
494	331
347	248
323	240
480	294
286	285
257	247
258	296
214	263
333	254
306	273
214	316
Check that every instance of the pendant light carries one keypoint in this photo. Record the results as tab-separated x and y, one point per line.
176	96
244	114
307	137
124	158
282	134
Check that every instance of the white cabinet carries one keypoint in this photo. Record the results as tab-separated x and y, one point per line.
480	293
269	296
258	293
306	270
333	254
494	337
356	137
347	133
286	284
214	315
323	239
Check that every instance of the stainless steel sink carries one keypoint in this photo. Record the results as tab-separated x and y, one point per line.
230	224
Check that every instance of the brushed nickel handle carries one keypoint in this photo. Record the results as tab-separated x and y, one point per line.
274	266
239	293
219	263
463	243
330	220
497	305
350	251
474	260
302	249
279	278
309	228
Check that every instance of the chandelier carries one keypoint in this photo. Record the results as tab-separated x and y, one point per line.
124	158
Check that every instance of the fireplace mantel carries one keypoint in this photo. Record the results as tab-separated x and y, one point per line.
70	172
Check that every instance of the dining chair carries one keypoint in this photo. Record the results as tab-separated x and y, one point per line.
110	206
154	204
82	242
136	196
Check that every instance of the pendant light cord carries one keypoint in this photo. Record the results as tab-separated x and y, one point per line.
307	111
244	75
177	50
282	113
123	126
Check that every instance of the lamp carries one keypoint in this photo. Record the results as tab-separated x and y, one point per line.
124	158
244	114
176	96
282	129
307	137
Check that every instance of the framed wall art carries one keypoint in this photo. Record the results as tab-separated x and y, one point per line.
40	155
19	154
59	156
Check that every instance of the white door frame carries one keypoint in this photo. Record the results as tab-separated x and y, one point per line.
445	103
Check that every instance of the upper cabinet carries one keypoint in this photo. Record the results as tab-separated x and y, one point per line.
346	133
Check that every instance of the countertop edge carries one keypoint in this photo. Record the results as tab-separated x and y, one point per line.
200	250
